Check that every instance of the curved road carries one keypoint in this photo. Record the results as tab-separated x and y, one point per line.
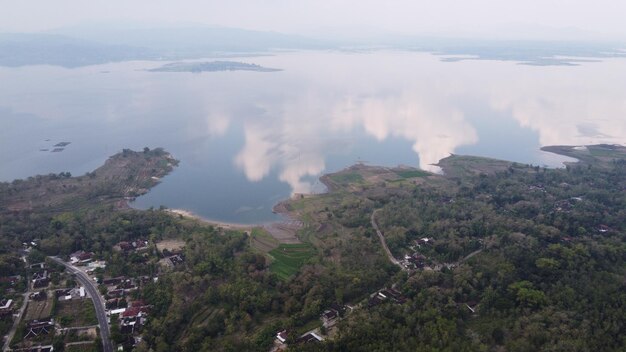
91	288
384	243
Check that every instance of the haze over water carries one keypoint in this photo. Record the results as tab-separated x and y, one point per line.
248	139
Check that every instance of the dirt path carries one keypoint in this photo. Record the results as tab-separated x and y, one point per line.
384	243
16	322
470	255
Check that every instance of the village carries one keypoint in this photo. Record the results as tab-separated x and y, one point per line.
55	308
50	308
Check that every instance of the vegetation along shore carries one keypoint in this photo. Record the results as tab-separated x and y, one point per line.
491	255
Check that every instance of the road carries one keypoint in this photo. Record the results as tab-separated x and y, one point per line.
16	322
98	303
470	255
384	243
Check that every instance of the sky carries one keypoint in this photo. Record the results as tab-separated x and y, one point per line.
553	19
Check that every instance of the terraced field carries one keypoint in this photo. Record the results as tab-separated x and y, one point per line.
289	258
262	241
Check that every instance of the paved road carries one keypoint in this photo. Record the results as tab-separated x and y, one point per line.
384	243
92	290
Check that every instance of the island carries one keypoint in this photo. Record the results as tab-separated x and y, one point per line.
212	66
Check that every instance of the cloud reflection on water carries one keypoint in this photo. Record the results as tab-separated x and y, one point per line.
411	97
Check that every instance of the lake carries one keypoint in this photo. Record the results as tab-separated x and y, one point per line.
249	139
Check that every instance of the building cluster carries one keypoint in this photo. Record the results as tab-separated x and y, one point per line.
81	257
416	260
132	246
386	294
68	294
119	287
35	328
308	337
131	319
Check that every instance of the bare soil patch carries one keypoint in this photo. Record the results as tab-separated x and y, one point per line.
170	245
38	310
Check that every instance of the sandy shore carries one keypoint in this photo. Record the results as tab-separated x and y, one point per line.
283	231
225	225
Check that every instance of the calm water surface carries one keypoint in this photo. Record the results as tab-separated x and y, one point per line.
248	139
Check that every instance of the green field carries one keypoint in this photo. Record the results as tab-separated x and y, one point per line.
412	173
76	312
86	347
288	258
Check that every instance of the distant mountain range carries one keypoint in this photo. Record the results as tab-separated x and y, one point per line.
74	47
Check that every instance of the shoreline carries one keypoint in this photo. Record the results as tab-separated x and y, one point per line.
281	209
223	224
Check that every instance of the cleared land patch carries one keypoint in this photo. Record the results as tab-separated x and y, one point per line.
76	312
38	310
289	258
170	245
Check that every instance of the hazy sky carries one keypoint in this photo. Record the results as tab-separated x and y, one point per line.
600	18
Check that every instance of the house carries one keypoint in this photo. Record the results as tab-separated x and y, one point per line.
36	328
48	348
384	294
117	293
97	264
10	280
113	303
113	281
139	244
282	336
38	266
39	296
125	246
117	311
424	241
6	303
63	293
603	228
131	312
416	259
136	245
472	306
5	307
41	279
135	313
175	260
127	284
329	316
129	328
80	257
309	337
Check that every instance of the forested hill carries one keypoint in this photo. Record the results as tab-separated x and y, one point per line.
548	253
